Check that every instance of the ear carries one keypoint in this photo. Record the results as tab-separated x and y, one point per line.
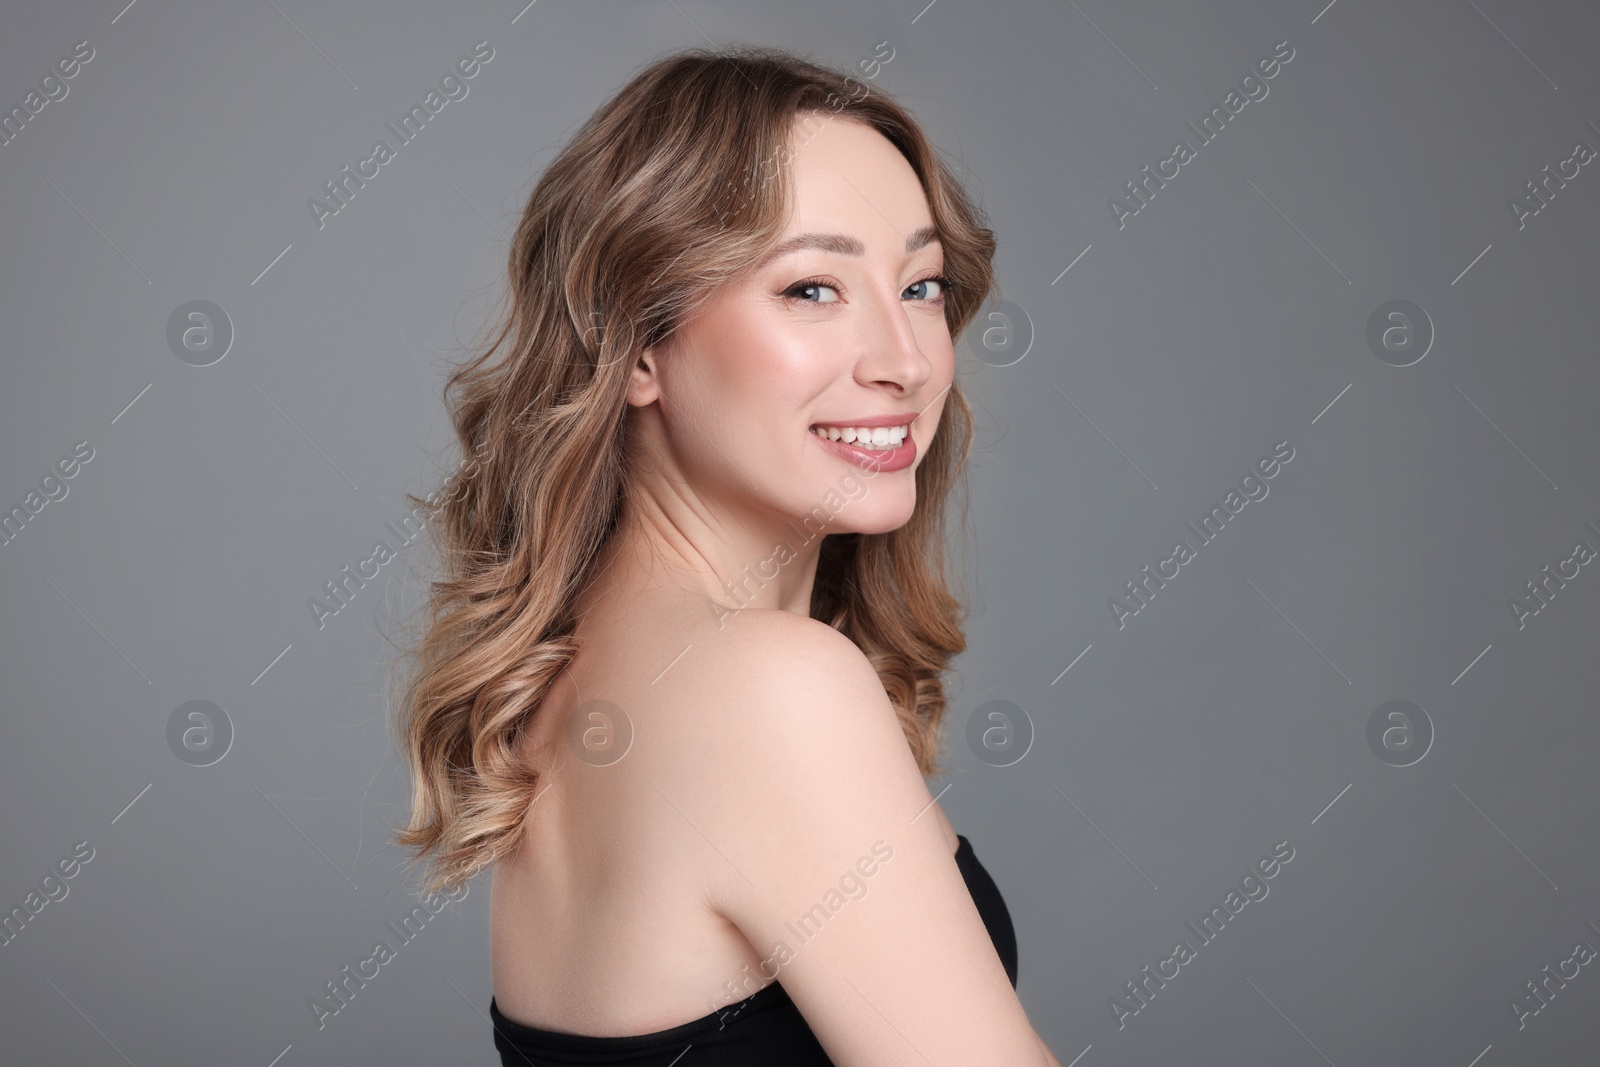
644	385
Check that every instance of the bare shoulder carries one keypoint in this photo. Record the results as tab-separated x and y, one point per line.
768	691
765	645
818	840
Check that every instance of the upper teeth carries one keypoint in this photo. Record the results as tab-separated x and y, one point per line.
864	437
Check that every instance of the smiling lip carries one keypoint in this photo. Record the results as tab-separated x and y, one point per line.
878	459
873	422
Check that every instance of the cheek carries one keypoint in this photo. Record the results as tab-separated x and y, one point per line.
941	378
713	373
940	352
784	364
750	372
944	362
933	338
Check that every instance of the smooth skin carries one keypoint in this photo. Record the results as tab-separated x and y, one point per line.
766	760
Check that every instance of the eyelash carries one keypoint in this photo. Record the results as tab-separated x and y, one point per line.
945	285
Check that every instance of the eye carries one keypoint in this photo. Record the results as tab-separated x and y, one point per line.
804	291
940	285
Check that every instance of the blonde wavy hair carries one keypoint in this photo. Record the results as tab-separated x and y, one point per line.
671	189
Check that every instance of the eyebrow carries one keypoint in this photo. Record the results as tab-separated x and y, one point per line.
843	244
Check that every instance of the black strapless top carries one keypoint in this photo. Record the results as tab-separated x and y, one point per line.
765	1028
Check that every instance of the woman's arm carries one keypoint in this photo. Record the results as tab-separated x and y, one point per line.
813	818
1049	1057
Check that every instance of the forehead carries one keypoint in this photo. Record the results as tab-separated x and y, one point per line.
848	178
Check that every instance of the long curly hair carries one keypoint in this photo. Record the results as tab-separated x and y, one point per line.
674	187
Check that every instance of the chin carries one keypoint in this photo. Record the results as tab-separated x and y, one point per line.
876	516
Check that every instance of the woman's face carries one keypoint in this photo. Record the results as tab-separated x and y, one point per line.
842	326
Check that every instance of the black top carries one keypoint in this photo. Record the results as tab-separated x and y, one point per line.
765	1028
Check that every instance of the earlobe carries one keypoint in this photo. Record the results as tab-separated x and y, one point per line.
642	386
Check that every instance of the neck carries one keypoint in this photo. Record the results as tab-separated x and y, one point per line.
769	563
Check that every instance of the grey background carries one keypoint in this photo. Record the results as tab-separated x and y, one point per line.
1230	314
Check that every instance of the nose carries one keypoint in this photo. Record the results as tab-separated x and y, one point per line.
890	352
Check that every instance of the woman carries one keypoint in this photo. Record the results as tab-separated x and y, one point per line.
681	683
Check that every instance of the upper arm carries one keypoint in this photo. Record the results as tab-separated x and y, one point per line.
829	861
